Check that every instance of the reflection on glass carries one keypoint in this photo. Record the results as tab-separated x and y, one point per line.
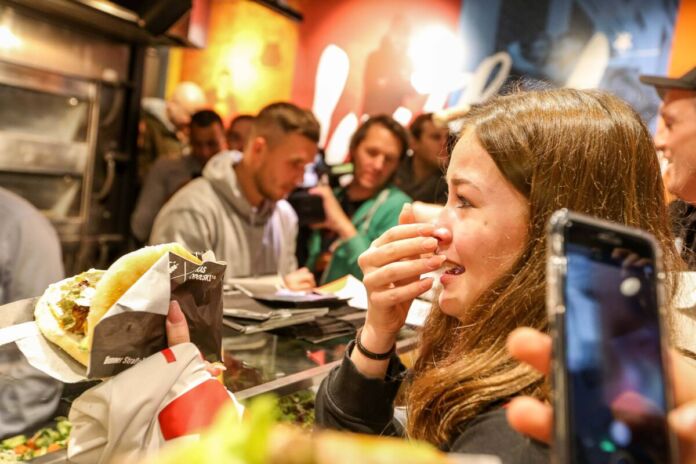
56	196
59	118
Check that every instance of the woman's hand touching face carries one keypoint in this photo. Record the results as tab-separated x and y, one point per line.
392	269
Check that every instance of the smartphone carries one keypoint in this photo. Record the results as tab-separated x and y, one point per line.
611	387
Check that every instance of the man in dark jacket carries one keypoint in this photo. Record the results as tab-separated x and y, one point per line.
421	175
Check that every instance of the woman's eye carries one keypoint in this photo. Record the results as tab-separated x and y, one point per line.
462	202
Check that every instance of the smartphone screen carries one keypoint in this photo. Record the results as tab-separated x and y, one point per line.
616	402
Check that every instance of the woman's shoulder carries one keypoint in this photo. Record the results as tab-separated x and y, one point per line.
490	433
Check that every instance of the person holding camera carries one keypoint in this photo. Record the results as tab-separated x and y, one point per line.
362	211
520	158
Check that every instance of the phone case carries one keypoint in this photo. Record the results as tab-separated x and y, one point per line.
555	304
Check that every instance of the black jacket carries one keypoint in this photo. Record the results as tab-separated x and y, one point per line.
347	400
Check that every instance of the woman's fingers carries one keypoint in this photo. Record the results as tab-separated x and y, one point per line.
176	326
403	232
426	212
215	368
396	251
683	421
532	347
401	272
683	379
406	215
394	296
531	417
301	279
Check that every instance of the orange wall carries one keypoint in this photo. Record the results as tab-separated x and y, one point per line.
249	60
684	41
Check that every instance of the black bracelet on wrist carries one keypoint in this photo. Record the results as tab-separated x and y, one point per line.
369	354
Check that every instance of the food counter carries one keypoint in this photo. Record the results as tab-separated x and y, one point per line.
257	364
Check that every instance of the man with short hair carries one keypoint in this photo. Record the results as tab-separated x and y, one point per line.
676	139
237	208
362	211
238	131
167	175
421	175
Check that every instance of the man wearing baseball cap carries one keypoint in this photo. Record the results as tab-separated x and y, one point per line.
677	141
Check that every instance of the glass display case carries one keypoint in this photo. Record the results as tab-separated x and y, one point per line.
270	363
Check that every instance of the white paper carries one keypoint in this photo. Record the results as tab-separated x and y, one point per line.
51	360
457	458
17	332
684	316
418	312
686	298
355	290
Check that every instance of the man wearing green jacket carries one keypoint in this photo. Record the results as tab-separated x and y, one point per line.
363	210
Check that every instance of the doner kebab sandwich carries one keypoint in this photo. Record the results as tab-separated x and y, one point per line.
69	310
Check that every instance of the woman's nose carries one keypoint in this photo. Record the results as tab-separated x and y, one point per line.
443	231
443	236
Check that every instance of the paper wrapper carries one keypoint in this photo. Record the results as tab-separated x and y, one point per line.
134	327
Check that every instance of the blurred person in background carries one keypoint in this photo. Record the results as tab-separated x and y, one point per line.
30	260
363	210
238	131
421	175
237	208
30	254
164	125
167	175
676	139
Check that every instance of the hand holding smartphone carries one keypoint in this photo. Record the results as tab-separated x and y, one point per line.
611	389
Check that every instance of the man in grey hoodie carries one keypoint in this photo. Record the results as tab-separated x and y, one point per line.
237	208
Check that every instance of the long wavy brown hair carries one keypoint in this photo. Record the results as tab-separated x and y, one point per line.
583	150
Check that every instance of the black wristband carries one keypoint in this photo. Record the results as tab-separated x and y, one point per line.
369	354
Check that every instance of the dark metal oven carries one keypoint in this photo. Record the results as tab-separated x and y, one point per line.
48	129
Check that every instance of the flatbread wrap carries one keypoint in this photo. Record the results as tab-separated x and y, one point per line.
68	311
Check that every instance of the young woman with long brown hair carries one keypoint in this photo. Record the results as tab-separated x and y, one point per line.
520	158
